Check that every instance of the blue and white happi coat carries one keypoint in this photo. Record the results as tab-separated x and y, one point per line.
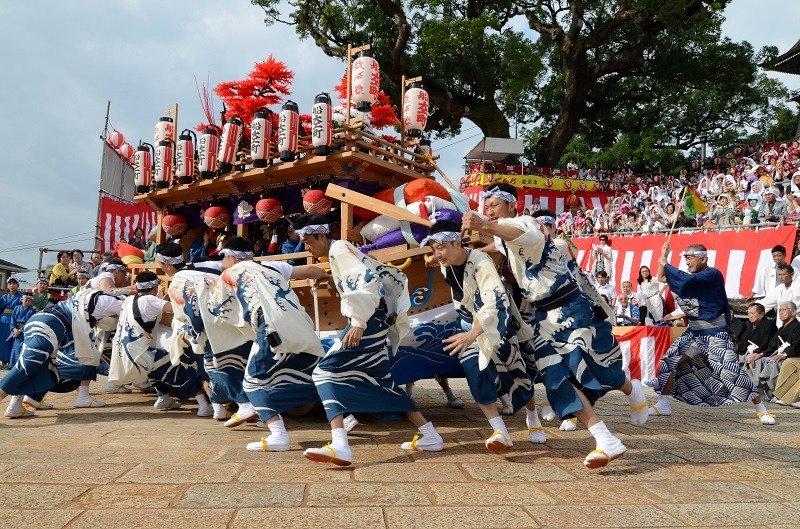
374	296
138	357
224	350
49	360
713	375
572	343
493	364
257	300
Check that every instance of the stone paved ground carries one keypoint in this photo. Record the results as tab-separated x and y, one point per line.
129	465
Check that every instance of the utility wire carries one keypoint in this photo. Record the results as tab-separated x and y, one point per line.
56	240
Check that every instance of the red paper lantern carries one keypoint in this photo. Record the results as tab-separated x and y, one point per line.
127	151
173	224
269	209
315	201
216	217
115	139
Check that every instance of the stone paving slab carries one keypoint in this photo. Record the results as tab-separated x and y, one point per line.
129	465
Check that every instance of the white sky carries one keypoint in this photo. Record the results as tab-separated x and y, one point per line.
63	60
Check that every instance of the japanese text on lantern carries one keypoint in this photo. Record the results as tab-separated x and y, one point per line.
255	137
318	125
283	129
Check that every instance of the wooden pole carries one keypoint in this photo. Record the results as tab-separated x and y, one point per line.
402	112
349	85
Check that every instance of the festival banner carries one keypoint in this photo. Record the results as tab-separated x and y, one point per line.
642	348
118	220
536	181
535	199
737	253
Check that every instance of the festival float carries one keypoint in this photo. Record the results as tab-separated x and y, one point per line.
263	165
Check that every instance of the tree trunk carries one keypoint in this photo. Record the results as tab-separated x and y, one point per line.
573	109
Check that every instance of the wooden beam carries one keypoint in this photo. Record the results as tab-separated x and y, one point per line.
373	204
346	211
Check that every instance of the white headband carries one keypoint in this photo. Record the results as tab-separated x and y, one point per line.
441	237
547	219
147	285
313	229
695	253
242	256
167	259
112	267
505	196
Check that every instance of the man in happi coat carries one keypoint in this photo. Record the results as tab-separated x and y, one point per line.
140	350
701	367
486	342
354	376
575	352
59	352
602	308
256	298
221	351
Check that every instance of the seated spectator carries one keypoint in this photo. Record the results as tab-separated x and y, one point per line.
787	290
604	287
138	239
785	387
626	312
41	294
78	264
83	278
723	213
772	210
293	244
62	275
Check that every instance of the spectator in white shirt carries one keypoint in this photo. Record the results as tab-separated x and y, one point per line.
605	288
767	276
787	290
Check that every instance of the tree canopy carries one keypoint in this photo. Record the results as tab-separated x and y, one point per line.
620	79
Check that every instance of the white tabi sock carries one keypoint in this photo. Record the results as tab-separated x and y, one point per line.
536	433
760	408
278	435
338	438
15	402
245	409
604	439
532	418
547	412
83	391
499	425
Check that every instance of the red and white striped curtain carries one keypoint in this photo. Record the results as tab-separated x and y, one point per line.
737	253
118	221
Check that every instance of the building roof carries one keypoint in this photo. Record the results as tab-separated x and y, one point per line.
495	149
789	62
11	267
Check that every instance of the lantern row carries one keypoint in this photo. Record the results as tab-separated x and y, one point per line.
215	152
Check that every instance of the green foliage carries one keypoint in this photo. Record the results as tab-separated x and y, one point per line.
601	80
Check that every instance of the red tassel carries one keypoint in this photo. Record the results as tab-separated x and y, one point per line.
273	244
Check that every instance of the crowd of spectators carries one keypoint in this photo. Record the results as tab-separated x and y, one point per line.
753	185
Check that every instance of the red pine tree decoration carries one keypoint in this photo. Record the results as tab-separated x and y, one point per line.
383	113
266	85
